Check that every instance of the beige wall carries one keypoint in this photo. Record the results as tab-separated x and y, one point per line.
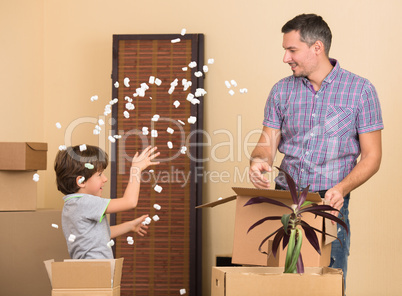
56	54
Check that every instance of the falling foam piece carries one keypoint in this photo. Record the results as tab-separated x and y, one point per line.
81	180
158	82
94	98
175	40
114	101
157	207
112	139
155	218
71	238
211	61
170	145
184	68
116	84
55	226
243	90
227	83
101	122
199	92
190	96
129	238
96	132
174	82
58	125
145	131
187	85
97	127
182	291
176	103
183	31
205	68
171	90
110	243
155	117
192	64
127	82
158	188
144	86
198	74
233	82
231	92
89	166
183	150
151	79
35	177
154	133
170	130
130	106
182	122
147	221
195	101
192	119
62	147
83	147
117	136
126	114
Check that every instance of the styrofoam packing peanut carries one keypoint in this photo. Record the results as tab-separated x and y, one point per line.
184	68
195	101
110	243
233	82
158	188
158	82
144	86
155	118
126	114
135	95
35	177
182	122
131	242
170	130
130	106
199	92
187	85
157	207
175	40
183	32
151	171
111	139
219	198
211	61
183	150
71	238
62	147
58	125
198	74
145	131
192	119
117	136
190	96
227	83
205	68
140	92
94	98
171	90
126	82
192	64
127	98
150	98
170	145
182	291
81	180
147	221
83	147
129	238
243	90
55	226
184	81
174	82
151	79
154	133
176	103
101	122
116	84
231	92
96	132
112	102
155	218
89	166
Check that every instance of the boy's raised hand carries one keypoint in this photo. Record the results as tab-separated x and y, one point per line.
143	160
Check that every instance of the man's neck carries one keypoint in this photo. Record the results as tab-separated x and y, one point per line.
318	76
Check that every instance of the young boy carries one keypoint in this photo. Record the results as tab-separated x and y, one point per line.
80	177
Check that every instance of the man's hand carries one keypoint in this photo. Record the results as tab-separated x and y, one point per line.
335	198
257	169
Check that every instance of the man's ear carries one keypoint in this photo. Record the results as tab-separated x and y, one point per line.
80	181
319	47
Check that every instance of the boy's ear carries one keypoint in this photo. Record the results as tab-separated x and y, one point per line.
80	181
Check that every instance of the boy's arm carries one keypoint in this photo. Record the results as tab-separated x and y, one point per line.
130	197
133	225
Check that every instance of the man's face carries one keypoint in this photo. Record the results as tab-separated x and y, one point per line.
300	57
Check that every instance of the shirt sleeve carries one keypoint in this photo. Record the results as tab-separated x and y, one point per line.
369	117
95	207
272	114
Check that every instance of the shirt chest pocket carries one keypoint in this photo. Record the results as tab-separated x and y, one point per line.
338	122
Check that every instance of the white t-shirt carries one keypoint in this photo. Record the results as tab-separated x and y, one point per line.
85	226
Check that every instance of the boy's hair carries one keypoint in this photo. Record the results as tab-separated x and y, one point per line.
311	28
70	163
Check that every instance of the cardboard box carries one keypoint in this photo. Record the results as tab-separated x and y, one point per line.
23	156
28	239
262	281
245	245
18	191
85	277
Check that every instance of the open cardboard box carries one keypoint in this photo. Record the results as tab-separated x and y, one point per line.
23	156
245	245
85	277
261	281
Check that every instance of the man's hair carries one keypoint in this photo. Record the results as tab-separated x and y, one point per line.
71	163
311	28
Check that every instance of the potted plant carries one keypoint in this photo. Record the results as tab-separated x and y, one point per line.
292	224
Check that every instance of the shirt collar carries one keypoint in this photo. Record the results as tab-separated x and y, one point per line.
331	76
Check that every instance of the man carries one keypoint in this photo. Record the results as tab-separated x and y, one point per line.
321	118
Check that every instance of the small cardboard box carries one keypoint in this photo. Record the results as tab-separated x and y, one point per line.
18	191
245	245
23	156
85	277
262	281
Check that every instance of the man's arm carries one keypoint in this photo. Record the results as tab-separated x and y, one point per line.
371	152
263	156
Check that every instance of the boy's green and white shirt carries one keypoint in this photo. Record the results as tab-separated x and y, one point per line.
83	222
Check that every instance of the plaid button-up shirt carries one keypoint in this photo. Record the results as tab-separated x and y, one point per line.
320	129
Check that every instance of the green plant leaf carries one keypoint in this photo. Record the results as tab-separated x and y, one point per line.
261	199
263	220
291	185
291	268
291	245
307	203
285	222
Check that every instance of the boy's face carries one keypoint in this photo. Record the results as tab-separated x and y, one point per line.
94	185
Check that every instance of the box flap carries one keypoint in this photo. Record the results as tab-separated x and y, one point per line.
217	202
117	272
37	146
271	193
48	266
